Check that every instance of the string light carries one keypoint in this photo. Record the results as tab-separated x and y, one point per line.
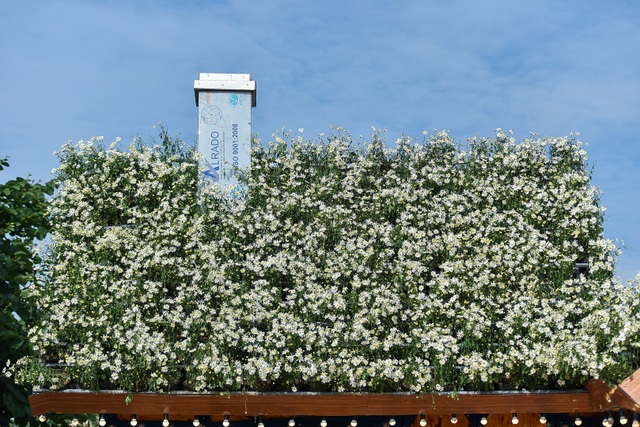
608	420
42	418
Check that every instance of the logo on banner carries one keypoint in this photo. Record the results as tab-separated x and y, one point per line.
235	100
212	115
212	171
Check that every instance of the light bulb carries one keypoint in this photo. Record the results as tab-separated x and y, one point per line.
165	422
392	421
292	422
543	419
483	421
354	422
423	421
610	419
196	422
75	422
42	418
636	421
454	419
102	422
578	421
323	423
260	423
623	418
134	421
514	419
226	422
605	422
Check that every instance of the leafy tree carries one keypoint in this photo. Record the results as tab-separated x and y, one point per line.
23	219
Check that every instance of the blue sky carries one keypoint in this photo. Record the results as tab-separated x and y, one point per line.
73	69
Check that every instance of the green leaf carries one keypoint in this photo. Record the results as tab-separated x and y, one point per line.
23	217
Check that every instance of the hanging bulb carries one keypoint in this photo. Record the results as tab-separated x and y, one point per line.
514	419
42	418
454	419
623	418
577	421
323	423
610	419
636	421
165	422
102	422
75	422
134	421
423	421
605	422
292	422
543	419
260	423
392	422
483	420
354	422
226	422
196	421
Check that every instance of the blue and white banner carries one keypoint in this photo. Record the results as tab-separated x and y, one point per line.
224	133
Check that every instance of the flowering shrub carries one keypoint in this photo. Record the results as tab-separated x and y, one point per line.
340	266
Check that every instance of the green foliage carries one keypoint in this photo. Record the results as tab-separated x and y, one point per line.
23	219
339	266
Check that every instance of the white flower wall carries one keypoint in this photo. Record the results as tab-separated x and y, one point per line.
341	266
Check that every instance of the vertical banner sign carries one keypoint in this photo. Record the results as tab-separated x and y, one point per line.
224	104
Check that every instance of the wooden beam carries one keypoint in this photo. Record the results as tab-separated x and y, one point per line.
631	388
606	397
281	405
